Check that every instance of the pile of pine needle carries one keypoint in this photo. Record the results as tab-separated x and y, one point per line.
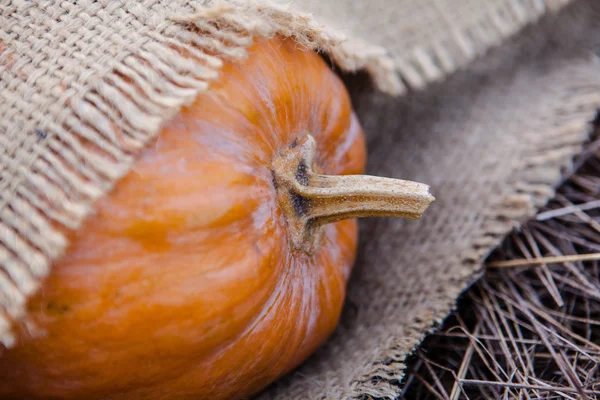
530	329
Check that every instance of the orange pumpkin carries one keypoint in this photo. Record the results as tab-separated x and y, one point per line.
212	269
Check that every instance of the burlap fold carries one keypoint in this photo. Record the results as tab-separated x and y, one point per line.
490	141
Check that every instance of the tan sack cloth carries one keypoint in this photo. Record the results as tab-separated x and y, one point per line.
491	141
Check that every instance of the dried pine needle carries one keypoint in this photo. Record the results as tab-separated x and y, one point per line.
544	260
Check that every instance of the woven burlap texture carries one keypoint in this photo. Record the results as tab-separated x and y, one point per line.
423	40
71	126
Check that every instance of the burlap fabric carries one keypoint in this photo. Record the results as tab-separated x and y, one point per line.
491	141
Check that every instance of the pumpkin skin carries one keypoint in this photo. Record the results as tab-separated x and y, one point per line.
184	284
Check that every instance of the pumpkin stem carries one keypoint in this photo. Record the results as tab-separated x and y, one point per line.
310	200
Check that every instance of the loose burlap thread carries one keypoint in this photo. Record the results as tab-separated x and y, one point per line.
71	126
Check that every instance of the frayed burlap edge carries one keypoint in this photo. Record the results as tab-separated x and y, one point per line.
434	60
